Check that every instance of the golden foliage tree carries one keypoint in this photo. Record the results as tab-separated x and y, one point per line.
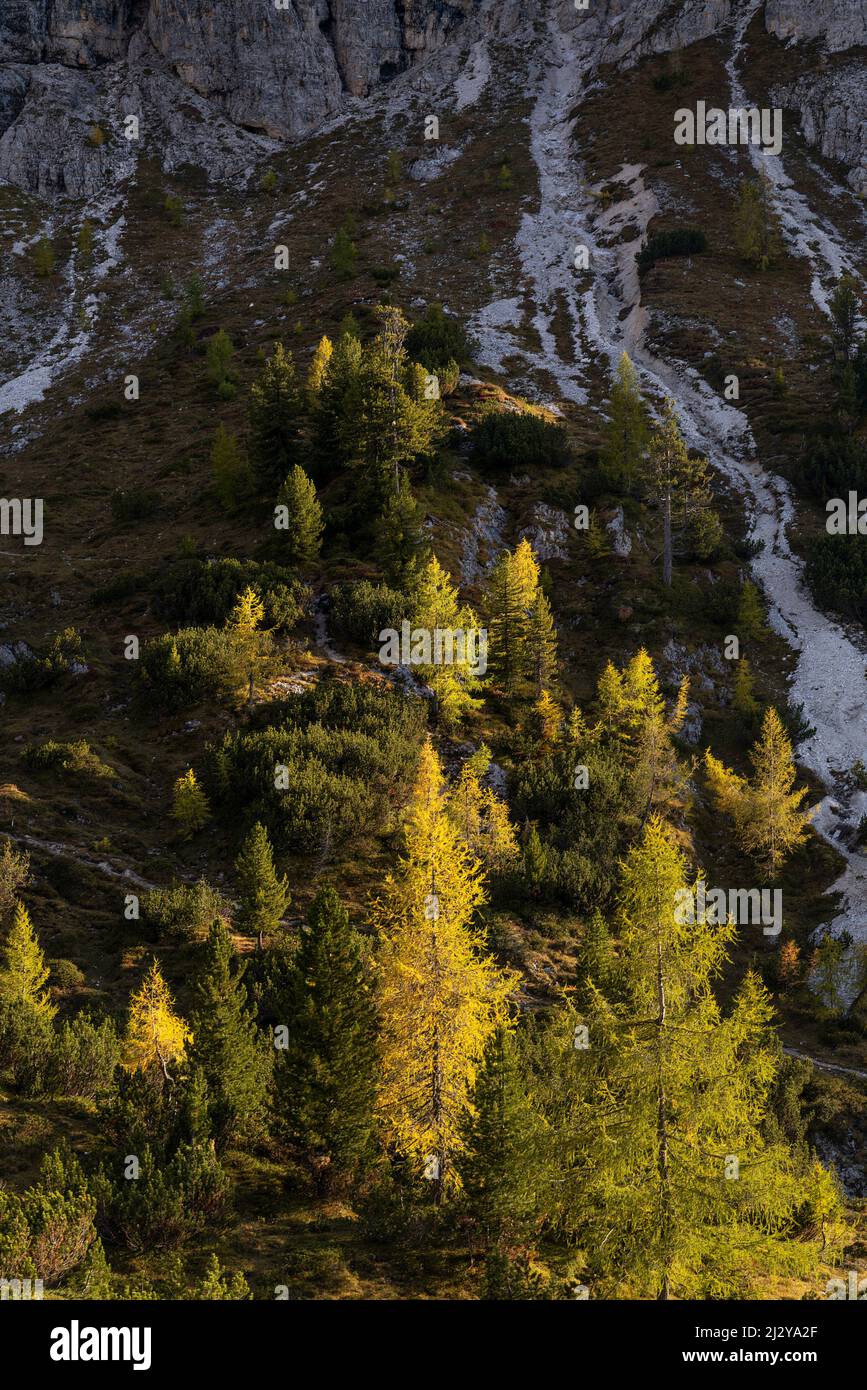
190	807
441	995
155	1035
767	812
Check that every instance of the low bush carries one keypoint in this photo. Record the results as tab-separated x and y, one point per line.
680	241
507	439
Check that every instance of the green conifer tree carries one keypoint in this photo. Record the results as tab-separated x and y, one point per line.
227	1045
264	896
298	507
275	404
326	1077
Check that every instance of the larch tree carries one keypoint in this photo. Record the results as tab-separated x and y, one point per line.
190	806
768	813
14	875
299	517
24	974
756	229
436	607
481	817
510	593
318	368
156	1037
627	430
275	405
661	1100
264	895
441	997
227	1044
327	1074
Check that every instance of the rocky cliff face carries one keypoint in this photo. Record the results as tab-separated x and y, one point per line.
214	81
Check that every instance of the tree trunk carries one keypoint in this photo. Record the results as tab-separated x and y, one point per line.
666	540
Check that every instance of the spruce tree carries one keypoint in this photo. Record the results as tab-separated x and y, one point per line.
275	405
401	541
441	996
501	1162
298	507
230	469
541	639
227	1045
264	896
338	404
511	592
327	1075
844	313
627	430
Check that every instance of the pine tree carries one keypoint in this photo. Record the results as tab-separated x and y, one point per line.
275	405
318	369
535	862
336	414
675	481
511	592
501	1165
302	533
767	813
667	1180
627	431
227	1046
844	313
401	542
264	896
441	997
155	1037
24	974
541	641
230	469
218	1286
190	808
392	418
327	1075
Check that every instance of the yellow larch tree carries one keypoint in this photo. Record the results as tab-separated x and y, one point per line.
155	1035
441	996
482	817
767	812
